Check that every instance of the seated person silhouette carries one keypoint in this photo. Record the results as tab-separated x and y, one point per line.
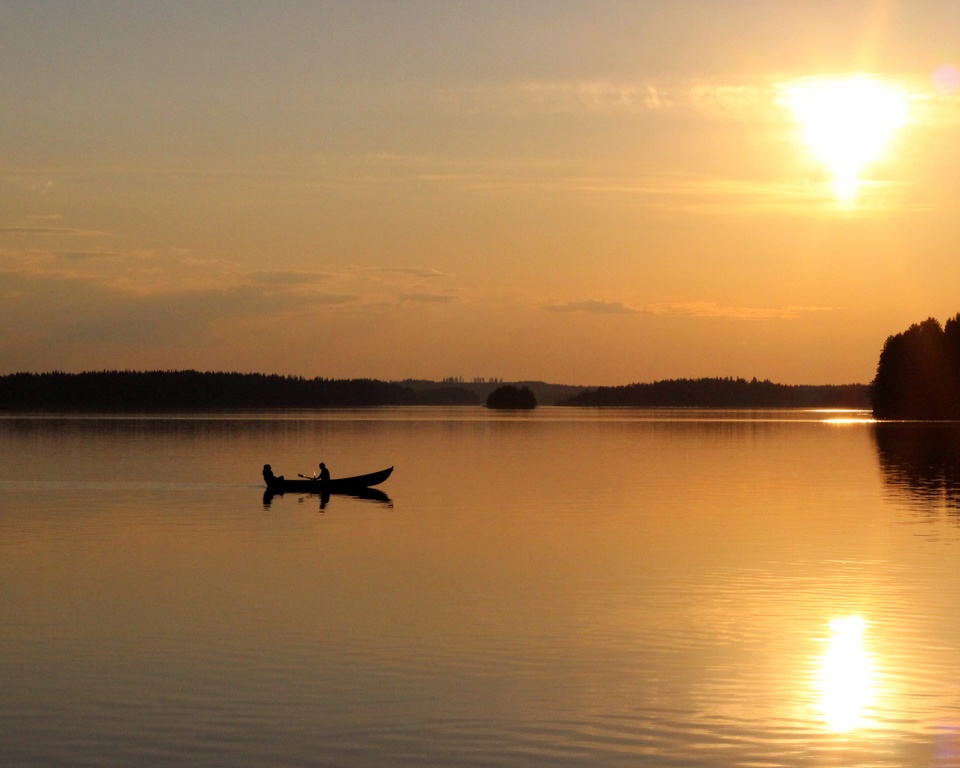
268	477
324	476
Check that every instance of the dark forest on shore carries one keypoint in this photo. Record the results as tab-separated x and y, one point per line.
109	391
918	375
159	391
726	393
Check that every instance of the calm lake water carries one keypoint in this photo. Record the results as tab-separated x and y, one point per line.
559	588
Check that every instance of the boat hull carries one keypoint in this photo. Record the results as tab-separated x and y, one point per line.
335	485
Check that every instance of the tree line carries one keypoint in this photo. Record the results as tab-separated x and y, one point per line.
725	393
918	377
106	391
194	390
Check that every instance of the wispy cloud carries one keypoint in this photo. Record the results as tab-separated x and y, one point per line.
176	317
52	231
152	269
92	255
288	277
80	309
684	309
423	272
427	298
559	97
727	100
710	309
179	298
594	308
683	191
749	99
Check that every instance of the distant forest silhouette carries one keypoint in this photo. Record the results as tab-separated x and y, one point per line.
193	390
158	391
918	374
726	393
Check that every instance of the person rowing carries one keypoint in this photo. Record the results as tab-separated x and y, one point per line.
323	477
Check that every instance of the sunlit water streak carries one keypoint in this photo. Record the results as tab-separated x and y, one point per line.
845	678
564	588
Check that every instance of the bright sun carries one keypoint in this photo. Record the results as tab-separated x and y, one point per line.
847	123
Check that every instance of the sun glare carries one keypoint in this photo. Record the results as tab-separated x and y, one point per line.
847	123
845	676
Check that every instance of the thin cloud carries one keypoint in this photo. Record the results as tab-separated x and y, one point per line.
593	308
427	298
685	309
423	272
679	192
699	195
178	317
86	310
936	109
710	309
288	277
91	255
52	231
744	100
560	97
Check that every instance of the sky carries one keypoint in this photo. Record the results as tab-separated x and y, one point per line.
594	193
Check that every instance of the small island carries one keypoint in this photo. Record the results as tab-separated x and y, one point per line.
510	397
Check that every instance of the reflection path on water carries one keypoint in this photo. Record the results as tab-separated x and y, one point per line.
845	678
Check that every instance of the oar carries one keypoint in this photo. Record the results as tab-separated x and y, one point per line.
307	477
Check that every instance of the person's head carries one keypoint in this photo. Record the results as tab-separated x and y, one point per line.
322	465
266	468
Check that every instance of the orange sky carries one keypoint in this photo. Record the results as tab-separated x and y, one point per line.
579	192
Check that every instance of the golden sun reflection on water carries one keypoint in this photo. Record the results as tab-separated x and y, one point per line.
846	677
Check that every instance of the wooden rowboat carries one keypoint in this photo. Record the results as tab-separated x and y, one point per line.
335	485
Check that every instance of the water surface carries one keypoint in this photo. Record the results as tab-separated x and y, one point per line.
565	587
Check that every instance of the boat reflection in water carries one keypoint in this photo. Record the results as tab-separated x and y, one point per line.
364	494
845	676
